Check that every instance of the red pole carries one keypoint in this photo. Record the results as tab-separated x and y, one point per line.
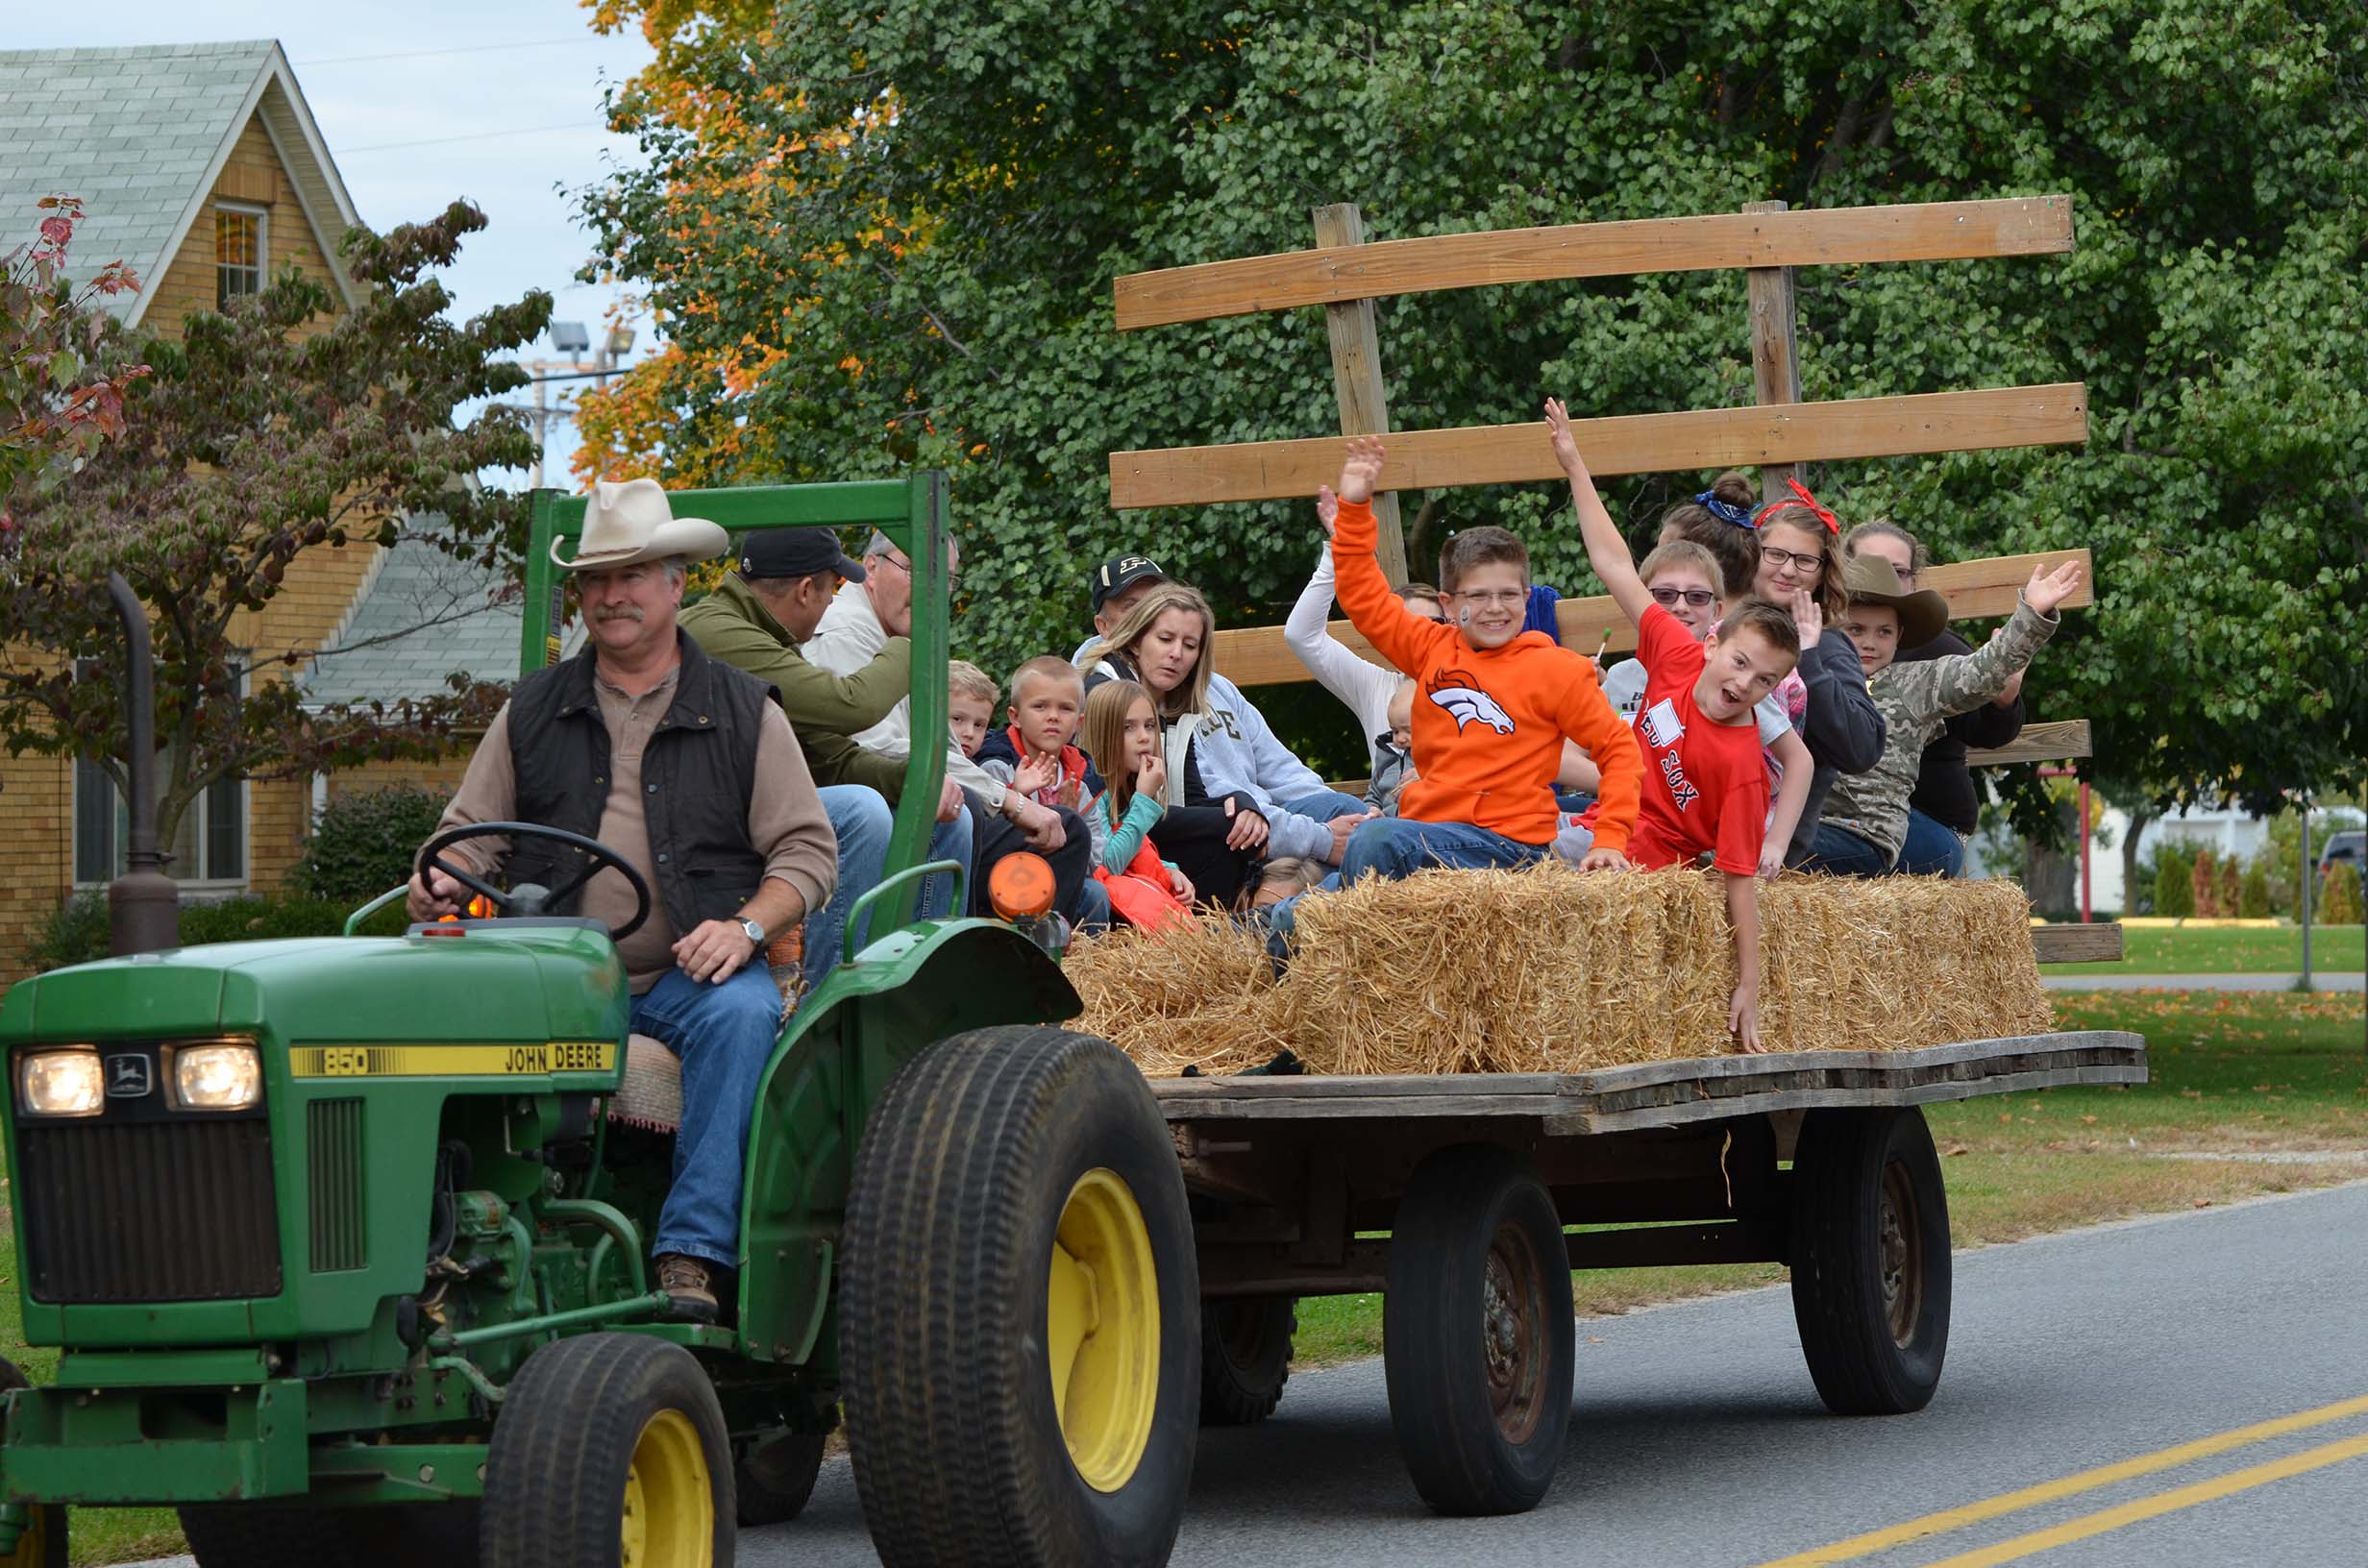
2085	916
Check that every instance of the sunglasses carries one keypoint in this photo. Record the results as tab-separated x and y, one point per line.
1695	597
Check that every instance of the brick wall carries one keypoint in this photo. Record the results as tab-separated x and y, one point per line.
37	843
252	179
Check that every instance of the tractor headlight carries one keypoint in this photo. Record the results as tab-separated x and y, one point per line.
223	1077
61	1084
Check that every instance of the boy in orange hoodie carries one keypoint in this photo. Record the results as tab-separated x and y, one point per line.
1493	705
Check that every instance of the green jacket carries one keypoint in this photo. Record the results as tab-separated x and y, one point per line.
827	711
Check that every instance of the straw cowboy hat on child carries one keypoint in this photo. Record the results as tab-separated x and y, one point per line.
624	523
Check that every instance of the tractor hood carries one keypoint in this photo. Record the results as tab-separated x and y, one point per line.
475	980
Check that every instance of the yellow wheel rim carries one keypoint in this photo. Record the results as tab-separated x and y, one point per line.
669	1515
33	1543
1102	1330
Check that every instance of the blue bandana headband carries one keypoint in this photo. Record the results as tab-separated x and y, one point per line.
1726	512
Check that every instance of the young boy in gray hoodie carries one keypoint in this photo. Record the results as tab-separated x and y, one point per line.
1866	816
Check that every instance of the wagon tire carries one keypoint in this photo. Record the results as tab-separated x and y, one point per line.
609	1445
1870	1260
1019	1315
773	1479
1244	1358
1477	1339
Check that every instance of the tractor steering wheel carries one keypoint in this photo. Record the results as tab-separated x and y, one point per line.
520	901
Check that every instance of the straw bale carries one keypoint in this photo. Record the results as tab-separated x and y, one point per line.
1546	971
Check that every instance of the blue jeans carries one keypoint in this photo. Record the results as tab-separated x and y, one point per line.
1394	847
861	819
1840	852
1093	908
1931	848
724	1035
1324	805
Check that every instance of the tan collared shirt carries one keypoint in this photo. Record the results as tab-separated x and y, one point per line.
786	821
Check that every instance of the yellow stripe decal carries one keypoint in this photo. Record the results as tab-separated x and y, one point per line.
2162	1503
2085	1481
534	1061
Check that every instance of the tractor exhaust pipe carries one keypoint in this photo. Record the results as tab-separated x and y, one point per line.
143	907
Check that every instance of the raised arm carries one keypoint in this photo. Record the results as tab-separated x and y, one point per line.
1396	633
1974	678
1606	551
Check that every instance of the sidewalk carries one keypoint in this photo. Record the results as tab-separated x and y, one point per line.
2320	980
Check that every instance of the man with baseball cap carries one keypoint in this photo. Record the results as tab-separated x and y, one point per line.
686	768
1117	584
755	621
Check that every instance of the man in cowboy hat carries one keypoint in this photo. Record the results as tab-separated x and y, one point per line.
687	769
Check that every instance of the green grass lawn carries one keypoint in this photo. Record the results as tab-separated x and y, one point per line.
2240	1072
2225	951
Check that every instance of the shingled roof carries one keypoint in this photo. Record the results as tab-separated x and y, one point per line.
141	135
420	617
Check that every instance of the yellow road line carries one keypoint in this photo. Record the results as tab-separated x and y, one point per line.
2162	1503
2050	1491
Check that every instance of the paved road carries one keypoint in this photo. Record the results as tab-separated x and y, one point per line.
1697	1440
2320	980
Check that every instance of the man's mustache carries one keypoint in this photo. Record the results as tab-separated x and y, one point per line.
620	612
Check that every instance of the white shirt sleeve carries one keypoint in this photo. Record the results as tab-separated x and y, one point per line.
1363	686
1773	720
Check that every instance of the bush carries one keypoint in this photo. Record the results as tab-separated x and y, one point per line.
2339	894
2253	899
77	932
2174	888
364	842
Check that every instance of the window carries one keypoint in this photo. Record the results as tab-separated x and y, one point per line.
209	846
238	258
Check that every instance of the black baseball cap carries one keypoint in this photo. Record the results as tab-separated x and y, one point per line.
1122	573
796	552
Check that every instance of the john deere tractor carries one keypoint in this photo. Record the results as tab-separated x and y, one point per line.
344	1241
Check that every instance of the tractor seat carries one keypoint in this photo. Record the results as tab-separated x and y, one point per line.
652	1096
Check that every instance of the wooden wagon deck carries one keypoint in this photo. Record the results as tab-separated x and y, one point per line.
1671	1093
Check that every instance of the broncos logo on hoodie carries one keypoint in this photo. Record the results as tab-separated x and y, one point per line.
1461	696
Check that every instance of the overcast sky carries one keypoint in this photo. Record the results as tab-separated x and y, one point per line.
422	102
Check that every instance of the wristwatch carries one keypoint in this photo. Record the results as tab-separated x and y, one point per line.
752	931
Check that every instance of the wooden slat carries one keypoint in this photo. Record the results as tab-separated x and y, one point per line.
2059	742
1258	655
1791	432
2077	944
1933	231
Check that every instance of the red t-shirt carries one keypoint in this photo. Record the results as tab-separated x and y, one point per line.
1705	783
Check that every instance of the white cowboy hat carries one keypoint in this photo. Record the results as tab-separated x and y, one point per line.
630	522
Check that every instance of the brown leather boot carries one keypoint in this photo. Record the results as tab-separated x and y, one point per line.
690	1282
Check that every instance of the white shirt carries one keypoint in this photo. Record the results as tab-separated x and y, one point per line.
1366	688
849	637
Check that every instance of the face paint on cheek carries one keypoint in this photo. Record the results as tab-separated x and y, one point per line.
1463	617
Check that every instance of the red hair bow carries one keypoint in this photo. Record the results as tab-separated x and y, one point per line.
1832	525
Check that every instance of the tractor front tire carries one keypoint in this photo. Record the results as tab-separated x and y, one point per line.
775	1476
41	1544
1477	1339
610	1447
1019	1316
1870	1260
1244	1358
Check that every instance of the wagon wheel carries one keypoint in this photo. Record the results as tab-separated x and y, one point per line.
1870	1260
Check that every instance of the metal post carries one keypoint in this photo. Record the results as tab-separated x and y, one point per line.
143	907
2305	880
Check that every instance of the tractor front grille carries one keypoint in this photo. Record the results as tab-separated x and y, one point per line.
177	1210
332	1160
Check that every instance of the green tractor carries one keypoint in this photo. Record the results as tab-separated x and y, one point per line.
343	1241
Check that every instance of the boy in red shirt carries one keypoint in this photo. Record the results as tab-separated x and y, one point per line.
1493	705
1705	787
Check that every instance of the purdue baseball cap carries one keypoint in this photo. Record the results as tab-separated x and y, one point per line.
796	552
1122	573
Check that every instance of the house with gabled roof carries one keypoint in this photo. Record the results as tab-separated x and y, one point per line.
201	167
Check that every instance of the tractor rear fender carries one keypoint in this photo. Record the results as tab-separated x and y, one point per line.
904	993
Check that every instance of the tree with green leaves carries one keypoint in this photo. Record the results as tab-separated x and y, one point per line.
259	437
886	234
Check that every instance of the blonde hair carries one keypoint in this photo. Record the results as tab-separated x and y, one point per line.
1682	553
1301	872
1045	667
1193	695
1101	735
964	679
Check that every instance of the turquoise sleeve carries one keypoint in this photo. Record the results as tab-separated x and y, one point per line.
1142	814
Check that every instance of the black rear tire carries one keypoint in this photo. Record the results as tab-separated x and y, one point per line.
773	1479
1870	1260
42	1544
989	1155
1477	1339
1244	1358
582	1415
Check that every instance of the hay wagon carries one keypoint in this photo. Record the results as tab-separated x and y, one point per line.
1469	1199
